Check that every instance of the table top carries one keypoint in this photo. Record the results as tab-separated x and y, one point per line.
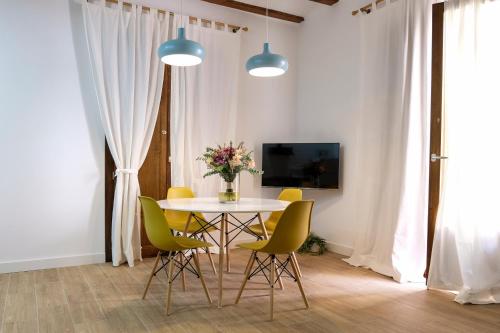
212	205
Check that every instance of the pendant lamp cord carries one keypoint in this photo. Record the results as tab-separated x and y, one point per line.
182	13
267	21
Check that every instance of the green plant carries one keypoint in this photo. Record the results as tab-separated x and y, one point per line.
312	241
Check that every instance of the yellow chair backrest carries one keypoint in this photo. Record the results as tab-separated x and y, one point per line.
292	229
159	234
178	193
288	194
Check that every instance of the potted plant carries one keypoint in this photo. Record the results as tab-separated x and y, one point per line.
314	245
228	162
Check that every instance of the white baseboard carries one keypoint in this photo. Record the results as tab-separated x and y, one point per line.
339	248
54	262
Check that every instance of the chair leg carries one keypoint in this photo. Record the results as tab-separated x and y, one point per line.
294	258
271	285
247	267
183	275
209	255
299	282
158	256
170	280
280	282
247	274
197	263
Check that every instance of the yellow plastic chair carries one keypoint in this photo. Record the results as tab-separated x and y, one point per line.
291	231
160	235
177	220
288	194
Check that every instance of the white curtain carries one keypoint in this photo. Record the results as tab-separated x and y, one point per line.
466	249
204	104
128	79
393	140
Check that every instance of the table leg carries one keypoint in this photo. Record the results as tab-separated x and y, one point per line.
181	257
221	256
228	263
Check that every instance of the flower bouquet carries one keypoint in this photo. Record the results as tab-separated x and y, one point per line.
228	162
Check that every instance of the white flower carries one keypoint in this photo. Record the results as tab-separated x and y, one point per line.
235	161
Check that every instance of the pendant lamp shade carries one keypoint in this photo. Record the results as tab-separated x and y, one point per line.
267	64
181	51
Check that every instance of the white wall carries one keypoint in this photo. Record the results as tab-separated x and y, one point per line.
327	103
52	144
51	184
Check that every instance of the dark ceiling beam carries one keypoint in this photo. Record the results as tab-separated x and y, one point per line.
326	2
258	10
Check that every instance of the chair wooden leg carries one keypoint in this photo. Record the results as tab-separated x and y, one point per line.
170	280
228	261
158	256
299	282
294	258
209	255
280	282
248	263
183	275
197	263
271	285
248	270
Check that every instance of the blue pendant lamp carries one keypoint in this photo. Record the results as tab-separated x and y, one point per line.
181	51
267	64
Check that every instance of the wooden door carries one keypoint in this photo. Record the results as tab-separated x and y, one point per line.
154	175
436	125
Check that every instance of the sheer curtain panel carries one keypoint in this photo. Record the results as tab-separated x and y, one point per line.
466	249
393	140
204	102
128	77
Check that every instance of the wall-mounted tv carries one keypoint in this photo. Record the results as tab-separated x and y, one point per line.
304	165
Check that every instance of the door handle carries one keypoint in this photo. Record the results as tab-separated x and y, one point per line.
435	158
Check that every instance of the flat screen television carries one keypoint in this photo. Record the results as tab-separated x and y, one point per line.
304	165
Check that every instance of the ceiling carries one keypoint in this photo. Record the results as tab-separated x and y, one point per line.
296	7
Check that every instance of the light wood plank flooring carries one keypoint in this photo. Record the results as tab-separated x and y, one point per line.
102	298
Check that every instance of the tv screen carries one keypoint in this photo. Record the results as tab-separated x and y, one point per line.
305	165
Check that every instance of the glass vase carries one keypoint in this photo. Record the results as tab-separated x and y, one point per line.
229	191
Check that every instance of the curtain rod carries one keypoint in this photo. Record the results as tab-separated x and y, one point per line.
235	28
367	9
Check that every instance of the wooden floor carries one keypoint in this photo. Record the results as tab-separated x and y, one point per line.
102	298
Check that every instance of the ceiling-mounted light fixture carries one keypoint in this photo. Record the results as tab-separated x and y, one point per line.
181	51
267	64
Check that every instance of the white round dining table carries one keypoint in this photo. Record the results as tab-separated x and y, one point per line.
212	205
